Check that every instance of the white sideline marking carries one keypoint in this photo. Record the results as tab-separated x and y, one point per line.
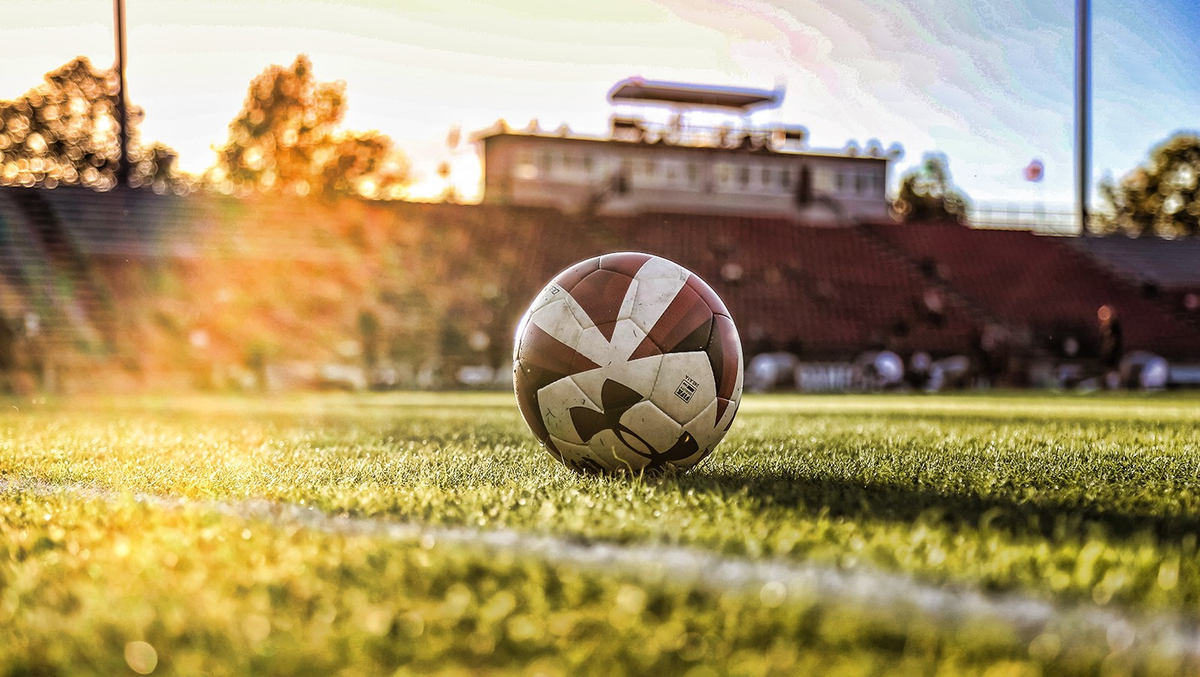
1165	635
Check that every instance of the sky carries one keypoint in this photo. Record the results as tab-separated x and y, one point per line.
987	83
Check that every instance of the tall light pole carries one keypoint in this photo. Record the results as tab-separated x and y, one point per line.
122	113
1083	110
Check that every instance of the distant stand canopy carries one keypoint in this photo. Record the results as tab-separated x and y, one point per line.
638	90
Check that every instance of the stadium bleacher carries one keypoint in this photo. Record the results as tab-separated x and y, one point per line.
825	292
1040	283
1169	269
822	293
1169	264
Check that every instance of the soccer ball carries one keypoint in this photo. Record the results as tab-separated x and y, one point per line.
628	363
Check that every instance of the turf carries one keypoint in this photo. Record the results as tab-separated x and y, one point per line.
1091	501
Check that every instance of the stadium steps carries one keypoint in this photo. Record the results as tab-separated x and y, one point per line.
977	311
1167	269
1146	283
824	291
1169	264
1040	284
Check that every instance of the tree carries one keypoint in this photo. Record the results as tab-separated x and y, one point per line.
65	131
927	193
1161	197
286	138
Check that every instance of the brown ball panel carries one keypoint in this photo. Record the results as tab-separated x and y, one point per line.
570	277
710	297
600	294
723	356
628	263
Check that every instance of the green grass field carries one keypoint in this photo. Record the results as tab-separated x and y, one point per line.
1000	535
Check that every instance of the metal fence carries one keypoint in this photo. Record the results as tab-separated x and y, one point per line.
1023	216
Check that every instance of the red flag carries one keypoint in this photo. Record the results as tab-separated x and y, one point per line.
1035	170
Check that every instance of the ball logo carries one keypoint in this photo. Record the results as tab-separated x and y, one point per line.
617	399
687	388
628	362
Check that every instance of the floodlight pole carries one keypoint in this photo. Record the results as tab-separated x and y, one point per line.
1083	110
122	113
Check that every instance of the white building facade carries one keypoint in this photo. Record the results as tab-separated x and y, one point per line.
614	176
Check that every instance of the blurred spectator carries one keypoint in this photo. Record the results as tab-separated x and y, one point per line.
8	355
1143	370
949	372
368	330
1072	375
880	370
35	355
1191	301
1070	346
935	307
990	351
767	371
918	372
1111	337
925	373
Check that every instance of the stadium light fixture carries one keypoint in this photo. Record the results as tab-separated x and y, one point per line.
1083	110
121	105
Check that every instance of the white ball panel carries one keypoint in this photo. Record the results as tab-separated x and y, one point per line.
684	386
580	314
623	311
627	303
557	320
615	454
604	449
705	420
556	400
638	375
658	268
703	427
653	298
652	425
549	294
626	337
584	453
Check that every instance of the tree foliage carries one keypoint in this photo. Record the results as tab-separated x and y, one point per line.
65	131
287	138
927	192
1161	197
